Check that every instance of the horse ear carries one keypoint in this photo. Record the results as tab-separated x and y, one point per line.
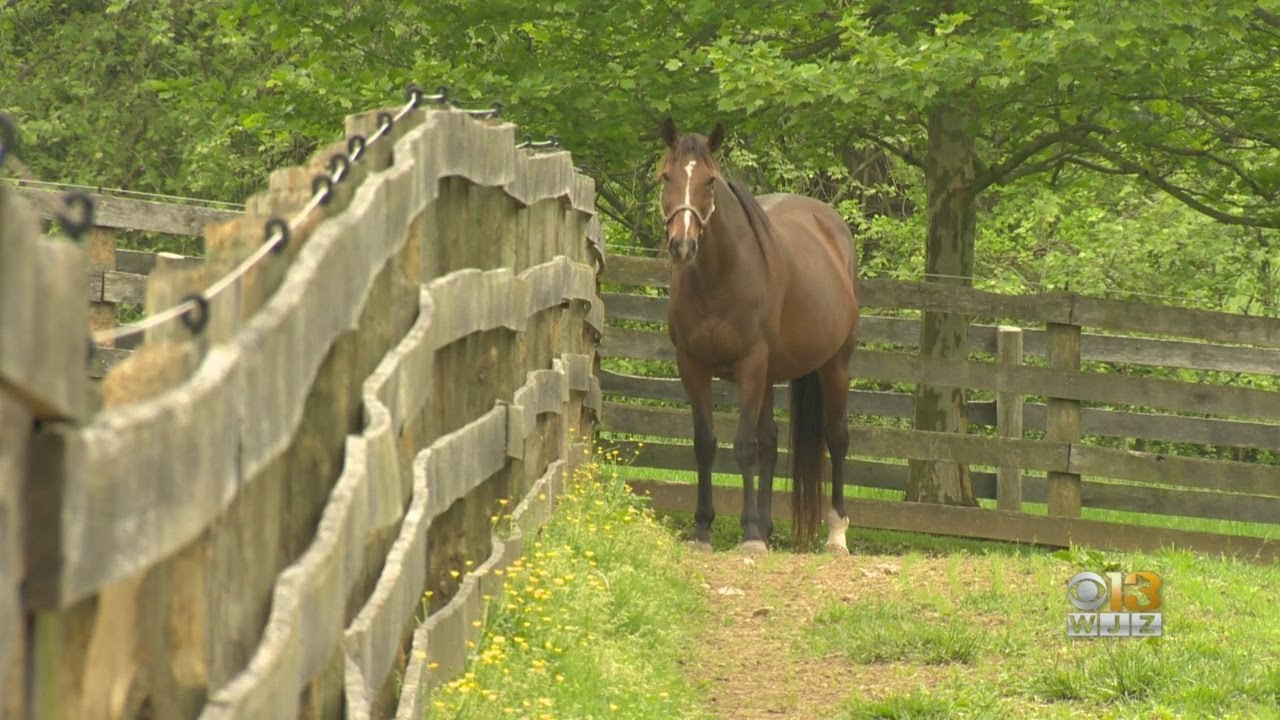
717	137
668	129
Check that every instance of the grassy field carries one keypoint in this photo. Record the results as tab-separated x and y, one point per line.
611	616
952	629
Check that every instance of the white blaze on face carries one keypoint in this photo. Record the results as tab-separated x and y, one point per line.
688	186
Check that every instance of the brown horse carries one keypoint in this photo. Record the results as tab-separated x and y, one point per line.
763	290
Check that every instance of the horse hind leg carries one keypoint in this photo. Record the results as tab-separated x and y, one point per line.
834	376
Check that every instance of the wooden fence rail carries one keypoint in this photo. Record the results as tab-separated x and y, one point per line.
131	214
896	367
242	523
1076	403
1051	307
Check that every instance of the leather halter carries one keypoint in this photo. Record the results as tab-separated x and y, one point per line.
702	219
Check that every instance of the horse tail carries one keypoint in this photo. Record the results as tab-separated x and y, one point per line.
807	468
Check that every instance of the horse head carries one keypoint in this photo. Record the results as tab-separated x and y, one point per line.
688	174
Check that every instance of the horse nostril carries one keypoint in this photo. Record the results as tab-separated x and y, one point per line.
682	248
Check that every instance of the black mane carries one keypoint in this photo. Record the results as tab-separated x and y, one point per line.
761	228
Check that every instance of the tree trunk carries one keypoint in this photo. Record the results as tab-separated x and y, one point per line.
949	170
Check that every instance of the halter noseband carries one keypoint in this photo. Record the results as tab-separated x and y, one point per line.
702	219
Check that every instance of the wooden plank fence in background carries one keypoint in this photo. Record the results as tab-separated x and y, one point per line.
131	214
1077	404
247	526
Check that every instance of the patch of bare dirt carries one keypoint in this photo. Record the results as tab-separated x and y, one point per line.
762	606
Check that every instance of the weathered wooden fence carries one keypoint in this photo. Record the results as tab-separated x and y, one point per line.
116	276
244	521
1077	473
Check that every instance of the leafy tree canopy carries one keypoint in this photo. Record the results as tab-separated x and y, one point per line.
1178	94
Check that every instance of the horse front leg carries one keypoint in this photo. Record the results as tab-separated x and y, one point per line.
767	437
752	377
697	386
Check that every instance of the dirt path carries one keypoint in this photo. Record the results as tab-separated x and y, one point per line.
752	654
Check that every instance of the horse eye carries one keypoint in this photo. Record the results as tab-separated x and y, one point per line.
664	178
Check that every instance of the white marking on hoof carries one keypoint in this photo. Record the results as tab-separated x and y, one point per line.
753	547
838	526
698	546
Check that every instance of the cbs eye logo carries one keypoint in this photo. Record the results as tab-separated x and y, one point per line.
1089	591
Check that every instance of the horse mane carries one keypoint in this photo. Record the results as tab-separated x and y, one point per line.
761	228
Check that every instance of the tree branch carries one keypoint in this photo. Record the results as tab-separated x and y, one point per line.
1208	111
1181	194
1267	17
999	173
817	47
1095	167
904	153
1037	167
1224	162
613	206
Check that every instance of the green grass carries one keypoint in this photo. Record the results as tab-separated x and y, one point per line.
1000	622
918	705
980	627
886	631
594	623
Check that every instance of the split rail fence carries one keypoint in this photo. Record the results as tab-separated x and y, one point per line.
243	520
1043	361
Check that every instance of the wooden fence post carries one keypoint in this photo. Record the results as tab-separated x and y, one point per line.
1009	419
101	248
1063	419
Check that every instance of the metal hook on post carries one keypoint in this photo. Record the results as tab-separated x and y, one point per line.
271	228
339	165
199	319
75	228
355	147
413	94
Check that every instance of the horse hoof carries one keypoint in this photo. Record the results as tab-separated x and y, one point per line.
837	527
753	547
701	546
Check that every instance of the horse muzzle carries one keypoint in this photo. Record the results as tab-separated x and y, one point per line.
682	249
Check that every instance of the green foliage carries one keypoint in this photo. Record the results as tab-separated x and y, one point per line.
195	98
1124	86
